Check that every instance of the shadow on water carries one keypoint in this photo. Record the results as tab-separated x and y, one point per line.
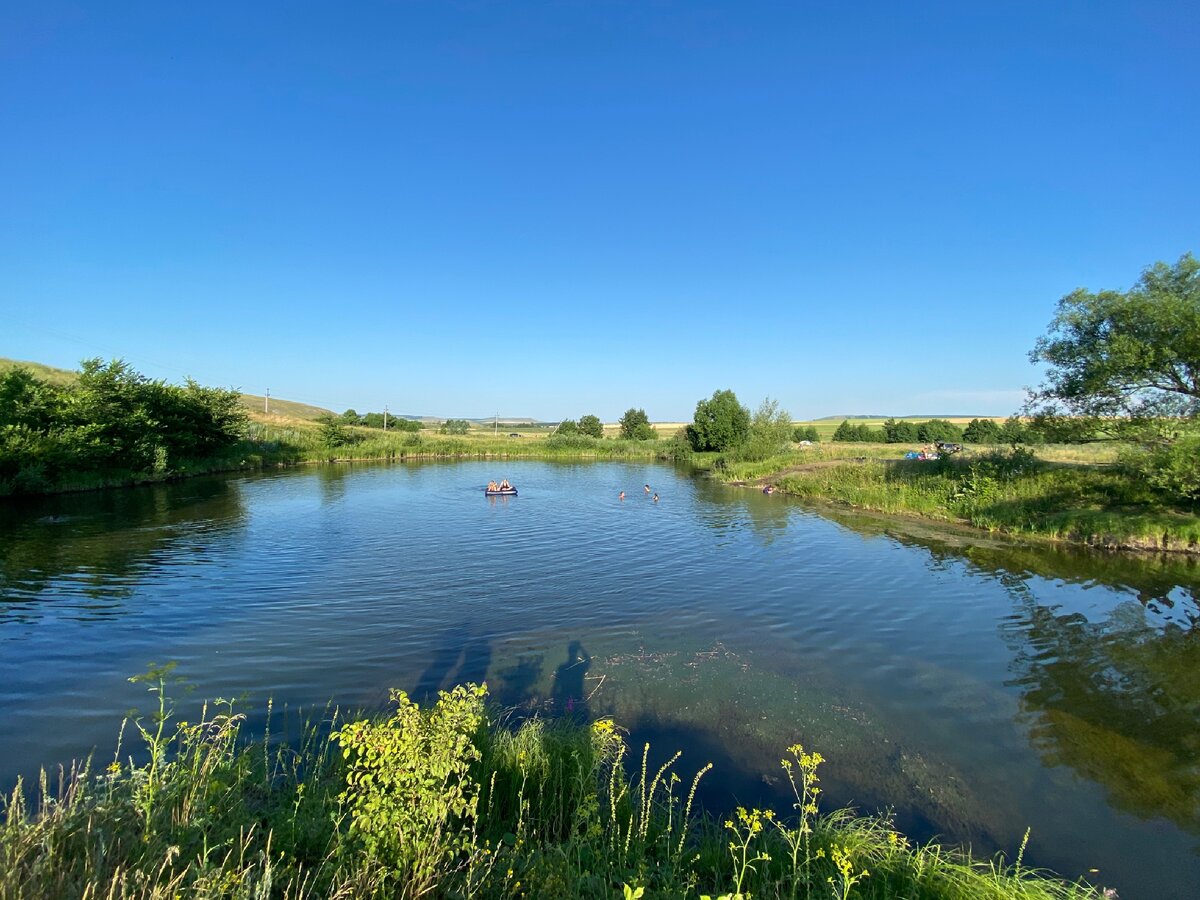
569	693
459	656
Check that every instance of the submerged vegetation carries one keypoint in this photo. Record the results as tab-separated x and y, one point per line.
450	802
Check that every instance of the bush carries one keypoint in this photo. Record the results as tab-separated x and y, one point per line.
805	433
982	431
591	426
455	426
900	432
938	430
859	434
635	426
721	423
1172	469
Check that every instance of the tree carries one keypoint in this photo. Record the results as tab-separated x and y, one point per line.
455	426
635	426
1132	354
591	426
805	433
770	431
982	431
721	423
938	430
567	426
902	432
350	417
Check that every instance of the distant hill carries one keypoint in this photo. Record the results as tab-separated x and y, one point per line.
46	373
290	408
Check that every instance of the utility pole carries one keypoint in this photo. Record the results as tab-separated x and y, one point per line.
496	425
267	402
385	412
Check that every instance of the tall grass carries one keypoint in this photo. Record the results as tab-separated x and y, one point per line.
1013	492
448	802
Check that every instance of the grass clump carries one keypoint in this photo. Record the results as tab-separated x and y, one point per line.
448	802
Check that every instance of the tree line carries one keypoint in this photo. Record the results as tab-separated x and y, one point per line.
1013	430
109	422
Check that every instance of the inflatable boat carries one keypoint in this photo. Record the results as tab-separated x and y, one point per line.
506	492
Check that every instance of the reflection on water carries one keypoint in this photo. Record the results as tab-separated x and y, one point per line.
1118	700
975	686
98	545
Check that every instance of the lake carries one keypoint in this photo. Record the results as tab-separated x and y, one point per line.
974	686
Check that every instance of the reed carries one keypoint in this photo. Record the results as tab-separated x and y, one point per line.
450	801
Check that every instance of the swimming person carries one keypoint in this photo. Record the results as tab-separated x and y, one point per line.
656	498
622	497
647	489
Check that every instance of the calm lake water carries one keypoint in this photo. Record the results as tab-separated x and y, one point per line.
975	687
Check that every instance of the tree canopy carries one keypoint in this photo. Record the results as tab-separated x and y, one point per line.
591	426
721	423
1133	354
635	426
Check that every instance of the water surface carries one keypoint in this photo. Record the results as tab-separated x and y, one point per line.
976	687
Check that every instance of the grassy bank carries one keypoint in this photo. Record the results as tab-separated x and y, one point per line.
1064	493
269	446
448	802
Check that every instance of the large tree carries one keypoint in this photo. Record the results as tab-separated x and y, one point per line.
635	426
721	423
591	426
1134	355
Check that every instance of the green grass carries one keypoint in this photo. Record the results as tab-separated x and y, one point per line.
1039	494
448	802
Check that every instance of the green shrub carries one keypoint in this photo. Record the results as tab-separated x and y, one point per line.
591	426
720	423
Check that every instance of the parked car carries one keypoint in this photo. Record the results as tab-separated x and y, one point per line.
947	447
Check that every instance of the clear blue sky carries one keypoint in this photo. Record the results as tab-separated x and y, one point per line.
551	209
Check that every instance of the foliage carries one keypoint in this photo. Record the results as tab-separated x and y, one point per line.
111	419
859	433
635	426
903	432
770	432
567	427
412	804
335	434
1172	468
437	802
591	426
1129	354
720	424
806	433
938	430
455	426
982	431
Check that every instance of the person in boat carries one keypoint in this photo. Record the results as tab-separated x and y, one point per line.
492	486
505	486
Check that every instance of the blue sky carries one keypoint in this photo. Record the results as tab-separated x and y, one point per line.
551	209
